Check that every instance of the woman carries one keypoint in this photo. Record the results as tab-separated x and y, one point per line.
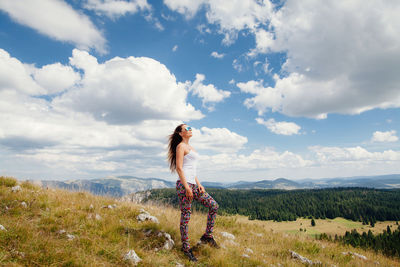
183	159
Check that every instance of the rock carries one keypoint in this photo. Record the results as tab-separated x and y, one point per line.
16	188
169	243
61	232
245	256
23	204
132	257
259	234
146	217
304	259
355	254
109	207
249	251
70	237
97	217
148	232
228	235
143	211
2	228
91	207
178	264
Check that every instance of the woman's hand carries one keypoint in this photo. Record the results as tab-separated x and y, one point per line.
201	189
189	193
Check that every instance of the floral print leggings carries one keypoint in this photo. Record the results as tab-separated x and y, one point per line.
186	204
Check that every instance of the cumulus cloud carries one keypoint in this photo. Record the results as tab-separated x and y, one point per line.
127	90
217	139
231	17
389	136
349	155
57	137
16	76
217	55
331	67
208	93
174	48
58	20
116	8
56	77
188	8
281	127
259	159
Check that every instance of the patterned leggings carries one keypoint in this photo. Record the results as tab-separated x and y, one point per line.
186	204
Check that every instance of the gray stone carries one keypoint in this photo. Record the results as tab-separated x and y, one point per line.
355	254
228	235
23	204
70	237
132	257
169	243
2	228
303	259
146	217
16	188
249	251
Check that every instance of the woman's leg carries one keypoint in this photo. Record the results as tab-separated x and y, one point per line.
185	205
212	206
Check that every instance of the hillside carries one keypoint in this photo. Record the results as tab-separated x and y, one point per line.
61	228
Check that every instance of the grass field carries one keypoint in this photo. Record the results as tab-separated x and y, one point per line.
331	227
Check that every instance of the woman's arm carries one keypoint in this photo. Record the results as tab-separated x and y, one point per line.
180	151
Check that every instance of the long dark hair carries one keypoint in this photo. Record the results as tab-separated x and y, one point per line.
174	140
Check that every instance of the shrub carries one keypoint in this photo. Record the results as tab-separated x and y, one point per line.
7	181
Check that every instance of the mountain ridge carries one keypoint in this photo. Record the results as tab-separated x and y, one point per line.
118	186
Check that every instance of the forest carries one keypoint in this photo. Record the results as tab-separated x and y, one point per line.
357	204
387	242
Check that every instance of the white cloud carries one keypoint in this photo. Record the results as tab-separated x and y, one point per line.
174	48
208	93
264	41
217	139
349	155
117	8
127	90
281	127
336	62
389	136
259	159
58	20
56	77
217	55
16	76
237	65
188	8
56	139
230	17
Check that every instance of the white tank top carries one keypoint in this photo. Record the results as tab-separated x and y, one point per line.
190	166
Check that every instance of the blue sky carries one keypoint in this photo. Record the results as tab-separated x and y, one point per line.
295	89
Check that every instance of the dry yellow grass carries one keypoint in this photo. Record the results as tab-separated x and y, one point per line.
32	237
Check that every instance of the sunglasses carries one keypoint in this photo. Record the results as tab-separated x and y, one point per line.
188	128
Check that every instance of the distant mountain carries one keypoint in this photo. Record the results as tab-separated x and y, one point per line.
125	185
111	186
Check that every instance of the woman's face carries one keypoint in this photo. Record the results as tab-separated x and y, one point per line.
186	131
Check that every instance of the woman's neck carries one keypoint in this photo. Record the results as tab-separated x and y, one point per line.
185	140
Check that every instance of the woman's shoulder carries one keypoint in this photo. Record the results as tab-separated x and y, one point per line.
182	146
